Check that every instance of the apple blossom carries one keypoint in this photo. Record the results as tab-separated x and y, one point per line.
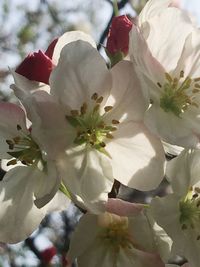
29	185
112	240
179	213
27	76
108	138
168	69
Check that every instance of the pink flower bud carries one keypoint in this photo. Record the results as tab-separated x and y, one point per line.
37	66
118	36
48	254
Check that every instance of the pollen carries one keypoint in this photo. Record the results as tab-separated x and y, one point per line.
179	93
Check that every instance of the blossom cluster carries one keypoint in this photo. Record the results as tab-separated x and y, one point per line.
83	123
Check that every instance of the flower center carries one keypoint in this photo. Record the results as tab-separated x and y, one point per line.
190	211
24	149
115	232
90	125
179	93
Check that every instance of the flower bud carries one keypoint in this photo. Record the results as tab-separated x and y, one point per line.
48	254
37	66
118	36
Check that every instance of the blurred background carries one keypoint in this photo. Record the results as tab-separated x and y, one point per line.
28	26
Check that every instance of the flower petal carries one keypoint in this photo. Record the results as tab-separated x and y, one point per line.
47	187
87	174
137	157
67	38
75	79
18	215
151	9
11	115
126	94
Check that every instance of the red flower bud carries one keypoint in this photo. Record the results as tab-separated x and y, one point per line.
48	254
118	36
37	66
50	49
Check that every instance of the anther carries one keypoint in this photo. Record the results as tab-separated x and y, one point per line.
19	127
16	139
184	227
197	189
197	85
115	122
159	84
74	113
195	195
197	79
99	100
194	91
110	136
11	162
83	108
102	144
168	77
182	74
198	237
108	108
94	96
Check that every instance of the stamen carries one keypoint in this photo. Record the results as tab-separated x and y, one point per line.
19	127
99	100
74	113
159	84
94	96
83	108
108	108
115	122
181	74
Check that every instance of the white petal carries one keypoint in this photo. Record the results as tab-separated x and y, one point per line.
143	58
79	75
151	9
47	186
11	115
126	95
18	215
172	129
83	236
137	157
67	38
87	174
28	85
162	40
189	60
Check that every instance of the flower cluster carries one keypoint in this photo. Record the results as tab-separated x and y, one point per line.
81	126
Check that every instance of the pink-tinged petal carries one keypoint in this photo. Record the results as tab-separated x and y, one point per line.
75	79
137	157
67	38
126	95
50	50
36	67
123	208
11	115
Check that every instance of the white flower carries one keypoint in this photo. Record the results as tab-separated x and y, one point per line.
165	48
110	240
28	187
179	213
107	139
